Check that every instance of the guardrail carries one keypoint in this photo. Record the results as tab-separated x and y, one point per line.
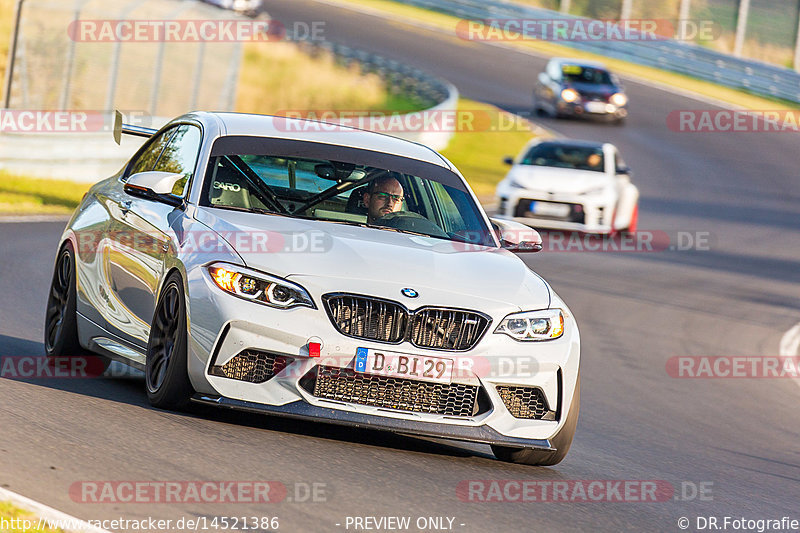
750	75
435	96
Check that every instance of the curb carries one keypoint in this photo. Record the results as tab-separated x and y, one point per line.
43	512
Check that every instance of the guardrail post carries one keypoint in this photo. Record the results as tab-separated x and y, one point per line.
741	27
565	6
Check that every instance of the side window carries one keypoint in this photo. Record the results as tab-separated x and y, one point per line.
180	156
147	159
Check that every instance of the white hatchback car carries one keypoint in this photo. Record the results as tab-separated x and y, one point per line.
321	272
570	185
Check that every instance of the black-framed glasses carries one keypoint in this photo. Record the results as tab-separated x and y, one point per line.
384	196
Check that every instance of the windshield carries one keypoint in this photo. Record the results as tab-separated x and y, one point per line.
549	154
345	190
591	75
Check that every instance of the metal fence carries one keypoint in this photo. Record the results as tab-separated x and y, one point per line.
56	69
769	30
682	57
152	80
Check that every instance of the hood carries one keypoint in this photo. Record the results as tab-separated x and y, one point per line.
330	257
557	180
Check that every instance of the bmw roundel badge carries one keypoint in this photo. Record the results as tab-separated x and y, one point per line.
409	293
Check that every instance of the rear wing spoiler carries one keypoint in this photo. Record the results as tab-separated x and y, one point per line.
129	129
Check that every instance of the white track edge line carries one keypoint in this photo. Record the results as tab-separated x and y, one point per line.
48	513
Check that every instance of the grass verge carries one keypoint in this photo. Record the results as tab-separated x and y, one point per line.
24	195
9	511
278	77
478	153
448	23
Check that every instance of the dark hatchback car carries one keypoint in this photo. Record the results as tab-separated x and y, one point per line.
581	89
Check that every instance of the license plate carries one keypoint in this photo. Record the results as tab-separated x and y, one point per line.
549	209
403	365
596	107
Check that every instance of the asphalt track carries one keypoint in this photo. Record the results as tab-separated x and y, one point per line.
636	310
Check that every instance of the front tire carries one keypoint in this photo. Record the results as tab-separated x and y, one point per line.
561	441
166	375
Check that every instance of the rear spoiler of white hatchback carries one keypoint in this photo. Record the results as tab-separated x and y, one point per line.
129	129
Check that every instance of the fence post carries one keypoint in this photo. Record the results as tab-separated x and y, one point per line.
228	96
112	81
564	7
626	9
12	52
797	47
198	76
66	90
160	62
683	16
741	27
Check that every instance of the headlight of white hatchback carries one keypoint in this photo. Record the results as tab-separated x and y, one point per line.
259	287
618	99
544	325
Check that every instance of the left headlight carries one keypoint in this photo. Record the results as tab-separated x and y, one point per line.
544	325
570	95
618	99
259	286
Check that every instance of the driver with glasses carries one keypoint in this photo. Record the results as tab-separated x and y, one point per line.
383	196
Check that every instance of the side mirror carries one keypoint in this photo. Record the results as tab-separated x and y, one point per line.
155	185
516	237
508	160
544	78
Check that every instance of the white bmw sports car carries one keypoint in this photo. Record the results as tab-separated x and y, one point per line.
321	272
570	185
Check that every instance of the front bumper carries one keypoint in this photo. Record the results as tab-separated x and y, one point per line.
586	214
301	410
591	109
222	327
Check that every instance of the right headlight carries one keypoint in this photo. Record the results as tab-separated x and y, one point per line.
544	325
259	287
618	99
